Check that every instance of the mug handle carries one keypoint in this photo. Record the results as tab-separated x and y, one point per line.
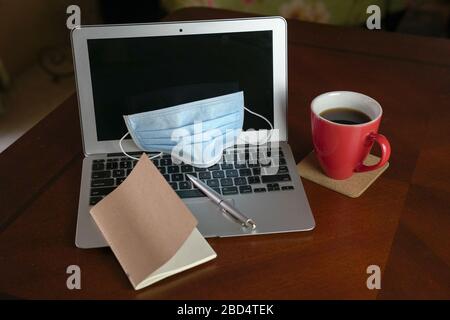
385	153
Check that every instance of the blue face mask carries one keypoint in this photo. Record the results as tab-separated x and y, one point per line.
195	133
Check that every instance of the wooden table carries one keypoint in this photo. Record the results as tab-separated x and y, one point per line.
401	223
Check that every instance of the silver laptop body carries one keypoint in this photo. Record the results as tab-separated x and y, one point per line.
277	202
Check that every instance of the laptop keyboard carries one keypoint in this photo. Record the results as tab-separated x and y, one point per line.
241	171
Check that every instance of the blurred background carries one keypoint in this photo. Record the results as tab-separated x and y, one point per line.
36	73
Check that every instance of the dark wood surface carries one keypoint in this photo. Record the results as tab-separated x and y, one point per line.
401	223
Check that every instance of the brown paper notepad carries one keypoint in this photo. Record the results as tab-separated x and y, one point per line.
309	168
149	228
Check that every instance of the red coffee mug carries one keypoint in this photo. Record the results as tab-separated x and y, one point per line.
342	148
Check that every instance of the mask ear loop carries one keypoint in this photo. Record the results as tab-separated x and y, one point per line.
265	119
130	156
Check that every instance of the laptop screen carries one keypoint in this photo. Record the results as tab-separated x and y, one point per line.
131	75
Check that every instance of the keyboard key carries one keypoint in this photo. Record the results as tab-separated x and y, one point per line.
240	165
167	176
227	166
190	193
273	187
214	167
214	183
245	189
218	174
199	169
282	161
276	178
119	180
187	168
155	162
268	171
194	174
174	185
118	173
253	180
256	171
125	164
98	161
101	191
231	173
258	190
204	175
177	177
162	170
185	185
283	169
173	169
226	182
112	165
240	181
217	190
229	190
94	200
254	164
102	183
98	166
287	188
165	162
101	174
129	171
245	172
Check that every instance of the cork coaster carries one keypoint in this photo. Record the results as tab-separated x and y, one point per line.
353	187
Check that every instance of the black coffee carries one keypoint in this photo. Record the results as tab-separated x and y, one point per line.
345	116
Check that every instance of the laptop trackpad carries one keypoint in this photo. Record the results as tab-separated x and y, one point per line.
212	221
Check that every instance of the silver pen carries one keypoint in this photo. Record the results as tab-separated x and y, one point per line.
220	201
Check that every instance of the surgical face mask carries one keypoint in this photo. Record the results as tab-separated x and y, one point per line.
195	133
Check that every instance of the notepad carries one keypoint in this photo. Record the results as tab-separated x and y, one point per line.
151	231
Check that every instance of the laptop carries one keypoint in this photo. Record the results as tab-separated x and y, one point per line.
126	69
